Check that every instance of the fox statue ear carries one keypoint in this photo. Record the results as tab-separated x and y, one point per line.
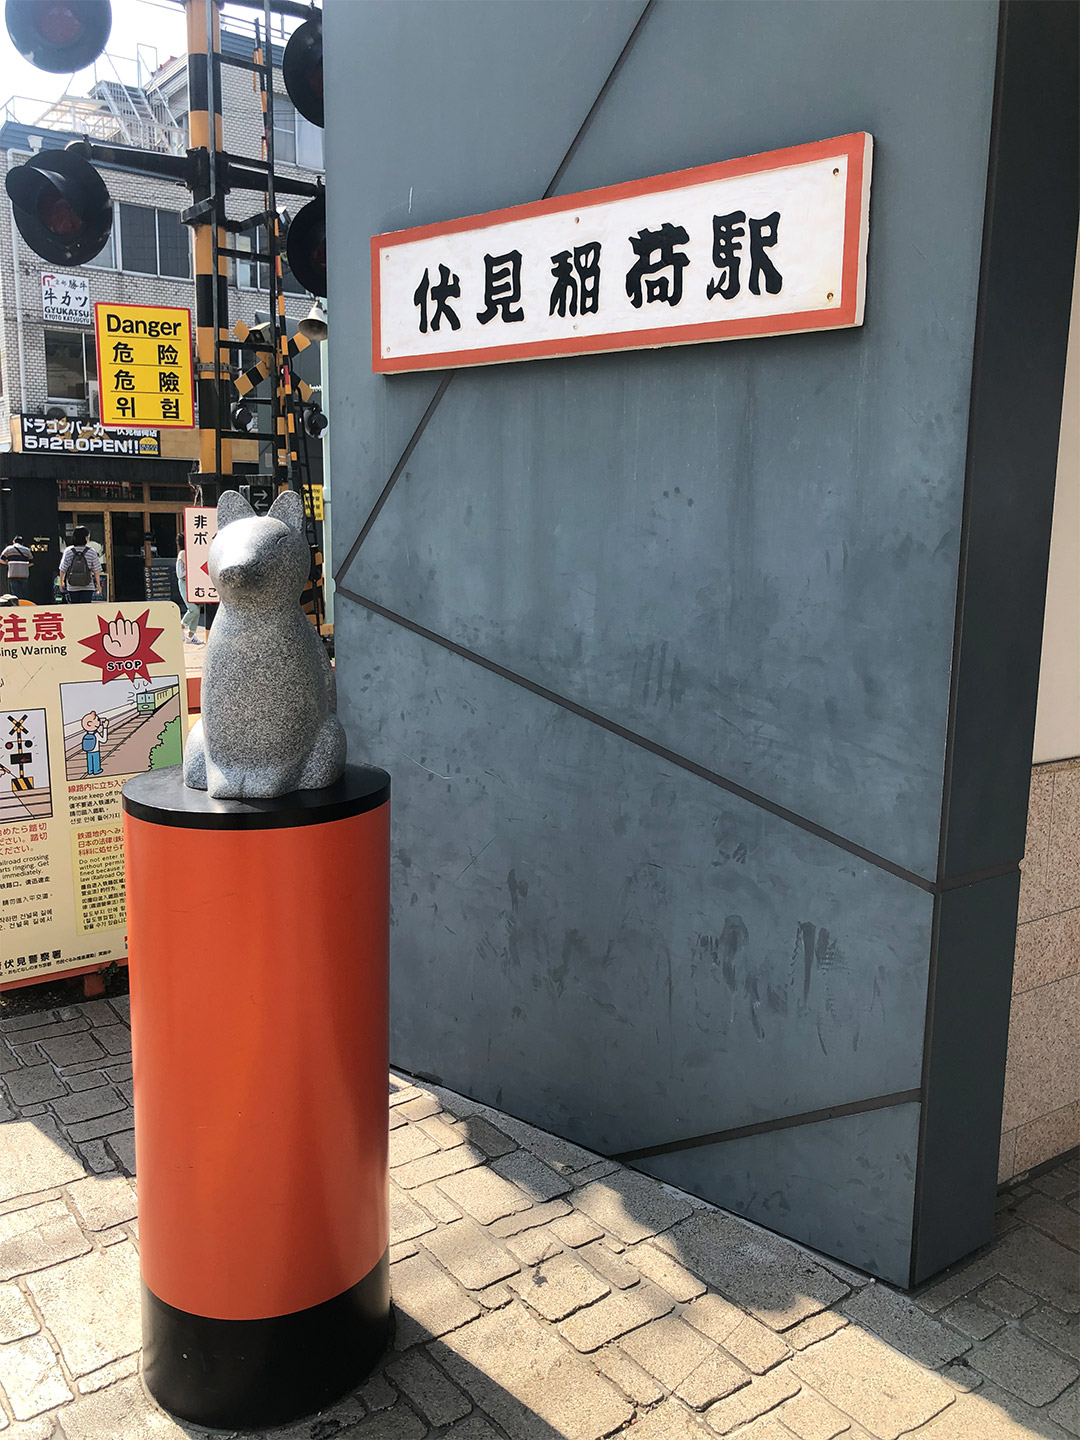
289	508
232	506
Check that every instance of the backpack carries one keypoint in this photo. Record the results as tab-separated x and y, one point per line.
79	573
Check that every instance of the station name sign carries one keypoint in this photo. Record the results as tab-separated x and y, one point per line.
768	245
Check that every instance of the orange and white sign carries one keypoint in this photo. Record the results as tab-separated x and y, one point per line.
768	245
200	527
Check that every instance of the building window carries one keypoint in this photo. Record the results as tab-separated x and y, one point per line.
70	365
296	140
255	274
106	260
153	242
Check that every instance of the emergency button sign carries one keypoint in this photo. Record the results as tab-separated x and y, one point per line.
145	372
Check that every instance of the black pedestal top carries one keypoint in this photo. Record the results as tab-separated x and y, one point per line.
162	798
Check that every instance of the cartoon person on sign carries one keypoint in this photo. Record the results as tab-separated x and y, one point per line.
96	733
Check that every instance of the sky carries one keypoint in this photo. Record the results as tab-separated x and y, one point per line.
151	23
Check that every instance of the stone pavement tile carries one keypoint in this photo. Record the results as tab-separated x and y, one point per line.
435	1203
116	1039
53	1030
470	1254
669	1421
482	1133
811	1418
1065	1411
34	1084
756	1346
396	1119
1060	1331
714	1378
1052	1218
866	1379
520	1374
96	1157
667	1348
961	1376
108	1374
532	1247
122	1148
34	1157
430	1299
538	1180
637	1384
907	1328
475	1427
437	1166
91	1307
612	1267
990	1414
560	1154
17	1320
767	1429
408	1142
447	1137
576	1229
407	1220
972	1318
31	1378
419	1107
484	1196
665	1272
87	1080
494	1297
1059	1183
762	1273
1040	1266
436	1397
377	1393
558	1287
529	1219
1023	1367
403	1251
102	1126
1007	1298
103	1201
72	1049
631	1206
43	1235
715	1317
962	1281
809	1332
121	1412
119	1072
597	1171
753	1401
616	1315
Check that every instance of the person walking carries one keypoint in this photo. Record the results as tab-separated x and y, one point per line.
192	613
18	560
80	570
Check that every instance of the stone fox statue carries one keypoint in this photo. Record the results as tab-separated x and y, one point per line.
268	699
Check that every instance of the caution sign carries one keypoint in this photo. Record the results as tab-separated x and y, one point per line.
145	370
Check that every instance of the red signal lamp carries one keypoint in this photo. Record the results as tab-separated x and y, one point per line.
60	36
61	205
301	69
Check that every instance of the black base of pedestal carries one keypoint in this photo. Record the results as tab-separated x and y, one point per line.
229	1374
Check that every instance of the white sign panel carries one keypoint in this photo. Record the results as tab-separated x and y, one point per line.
65	298
768	245
200	527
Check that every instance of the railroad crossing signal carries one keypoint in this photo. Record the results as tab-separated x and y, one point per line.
301	69
305	246
20	753
61	205
60	36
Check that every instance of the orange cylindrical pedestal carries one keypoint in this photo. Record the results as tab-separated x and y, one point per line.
258	942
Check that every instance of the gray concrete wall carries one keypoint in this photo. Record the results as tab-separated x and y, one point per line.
658	646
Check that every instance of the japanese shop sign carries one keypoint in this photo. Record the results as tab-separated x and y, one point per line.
65	298
200	527
768	245
145	369
86	437
89	695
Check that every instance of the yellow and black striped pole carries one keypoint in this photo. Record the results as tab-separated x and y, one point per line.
211	277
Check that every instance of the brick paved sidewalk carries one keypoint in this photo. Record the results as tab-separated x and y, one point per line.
542	1293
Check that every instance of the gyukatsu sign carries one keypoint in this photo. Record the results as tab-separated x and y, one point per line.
767	245
145	369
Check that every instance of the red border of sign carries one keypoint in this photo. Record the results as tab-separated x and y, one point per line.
157	424
856	147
